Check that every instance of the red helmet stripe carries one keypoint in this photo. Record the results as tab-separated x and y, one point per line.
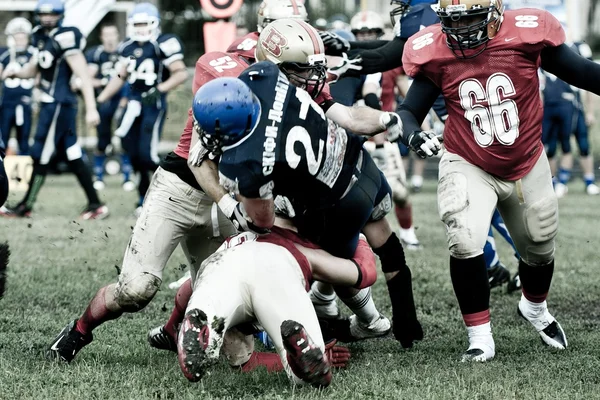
313	36
295	7
455	2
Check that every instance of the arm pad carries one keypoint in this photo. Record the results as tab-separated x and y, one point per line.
364	259
380	59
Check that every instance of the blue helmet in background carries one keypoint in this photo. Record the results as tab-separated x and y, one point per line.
143	22
344	34
56	7
402	7
225	110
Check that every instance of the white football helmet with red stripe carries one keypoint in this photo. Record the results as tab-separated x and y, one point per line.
272	10
298	50
367	22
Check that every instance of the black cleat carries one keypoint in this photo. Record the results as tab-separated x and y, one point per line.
68	343
159	339
514	284
498	275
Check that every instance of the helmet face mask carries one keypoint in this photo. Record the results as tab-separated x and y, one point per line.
367	25
49	13
306	76
399	11
469	26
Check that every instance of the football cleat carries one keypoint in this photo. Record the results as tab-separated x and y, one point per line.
359	331
498	275
68	343
306	360
561	190
20	211
478	353
159	339
129	186
409	239
592	189
514	284
95	211
544	323
192	342
99	184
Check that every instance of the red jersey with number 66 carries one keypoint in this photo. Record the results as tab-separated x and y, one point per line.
211	65
494	106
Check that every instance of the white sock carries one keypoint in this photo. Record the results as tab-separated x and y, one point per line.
530	308
481	335
363	306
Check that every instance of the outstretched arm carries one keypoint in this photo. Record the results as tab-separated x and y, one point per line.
572	68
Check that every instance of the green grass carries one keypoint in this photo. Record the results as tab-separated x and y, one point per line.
58	263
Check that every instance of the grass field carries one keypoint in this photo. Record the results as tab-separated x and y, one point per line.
58	263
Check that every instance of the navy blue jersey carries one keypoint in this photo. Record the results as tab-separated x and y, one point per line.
557	91
105	61
16	90
148	62
418	17
281	156
53	49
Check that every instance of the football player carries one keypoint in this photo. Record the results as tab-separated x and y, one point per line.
152	63
102	63
59	56
494	155
15	105
336	190
265	278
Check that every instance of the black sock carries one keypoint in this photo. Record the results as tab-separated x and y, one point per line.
391	255
38	176
471	284
144	183
85	180
536	281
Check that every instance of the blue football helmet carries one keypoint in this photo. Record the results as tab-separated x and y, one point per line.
56	7
143	23
402	7
225	110
344	34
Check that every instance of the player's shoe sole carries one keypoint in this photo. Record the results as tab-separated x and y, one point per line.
68	343
192	342
17	212
159	339
478	354
100	212
550	331
305	359
359	331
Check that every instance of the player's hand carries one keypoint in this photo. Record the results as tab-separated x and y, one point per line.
10	71
346	65
283	206
151	96
424	143
92	118
338	356
234	210
335	45
393	124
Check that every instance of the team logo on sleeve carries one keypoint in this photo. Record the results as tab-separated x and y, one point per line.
274	42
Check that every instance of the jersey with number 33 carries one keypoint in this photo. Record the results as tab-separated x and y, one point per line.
294	150
148	62
494	106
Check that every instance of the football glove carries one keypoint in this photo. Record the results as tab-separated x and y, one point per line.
346	65
393	124
151	96
424	143
234	210
334	44
338	356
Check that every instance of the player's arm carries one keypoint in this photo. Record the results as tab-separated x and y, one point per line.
27	71
78	65
360	119
178	76
572	68
260	211
93	71
115	85
413	110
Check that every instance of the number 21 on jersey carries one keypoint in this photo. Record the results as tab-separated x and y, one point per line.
498	119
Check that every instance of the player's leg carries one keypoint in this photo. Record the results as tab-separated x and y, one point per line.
66	140
466	202
155	236
284	310
566	160
24	129
497	272
104	131
531	215
586	159
3	180
550	137
7	114
151	122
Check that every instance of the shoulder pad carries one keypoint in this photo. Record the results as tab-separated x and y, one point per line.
533	26
421	48
68	38
244	46
169	44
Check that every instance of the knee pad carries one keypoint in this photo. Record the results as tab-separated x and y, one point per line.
453	203
134	293
541	219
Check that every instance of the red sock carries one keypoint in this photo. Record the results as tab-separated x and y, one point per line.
181	300
404	215
96	314
271	361
475	319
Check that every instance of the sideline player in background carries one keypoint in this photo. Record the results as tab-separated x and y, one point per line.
492	161
152	63
102	63
15	105
59	56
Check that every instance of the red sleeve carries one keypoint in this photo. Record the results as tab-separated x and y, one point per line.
533	27
420	49
555	34
244	46
217	64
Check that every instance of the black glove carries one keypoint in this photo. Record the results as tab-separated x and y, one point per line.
334	44
424	143
151	96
